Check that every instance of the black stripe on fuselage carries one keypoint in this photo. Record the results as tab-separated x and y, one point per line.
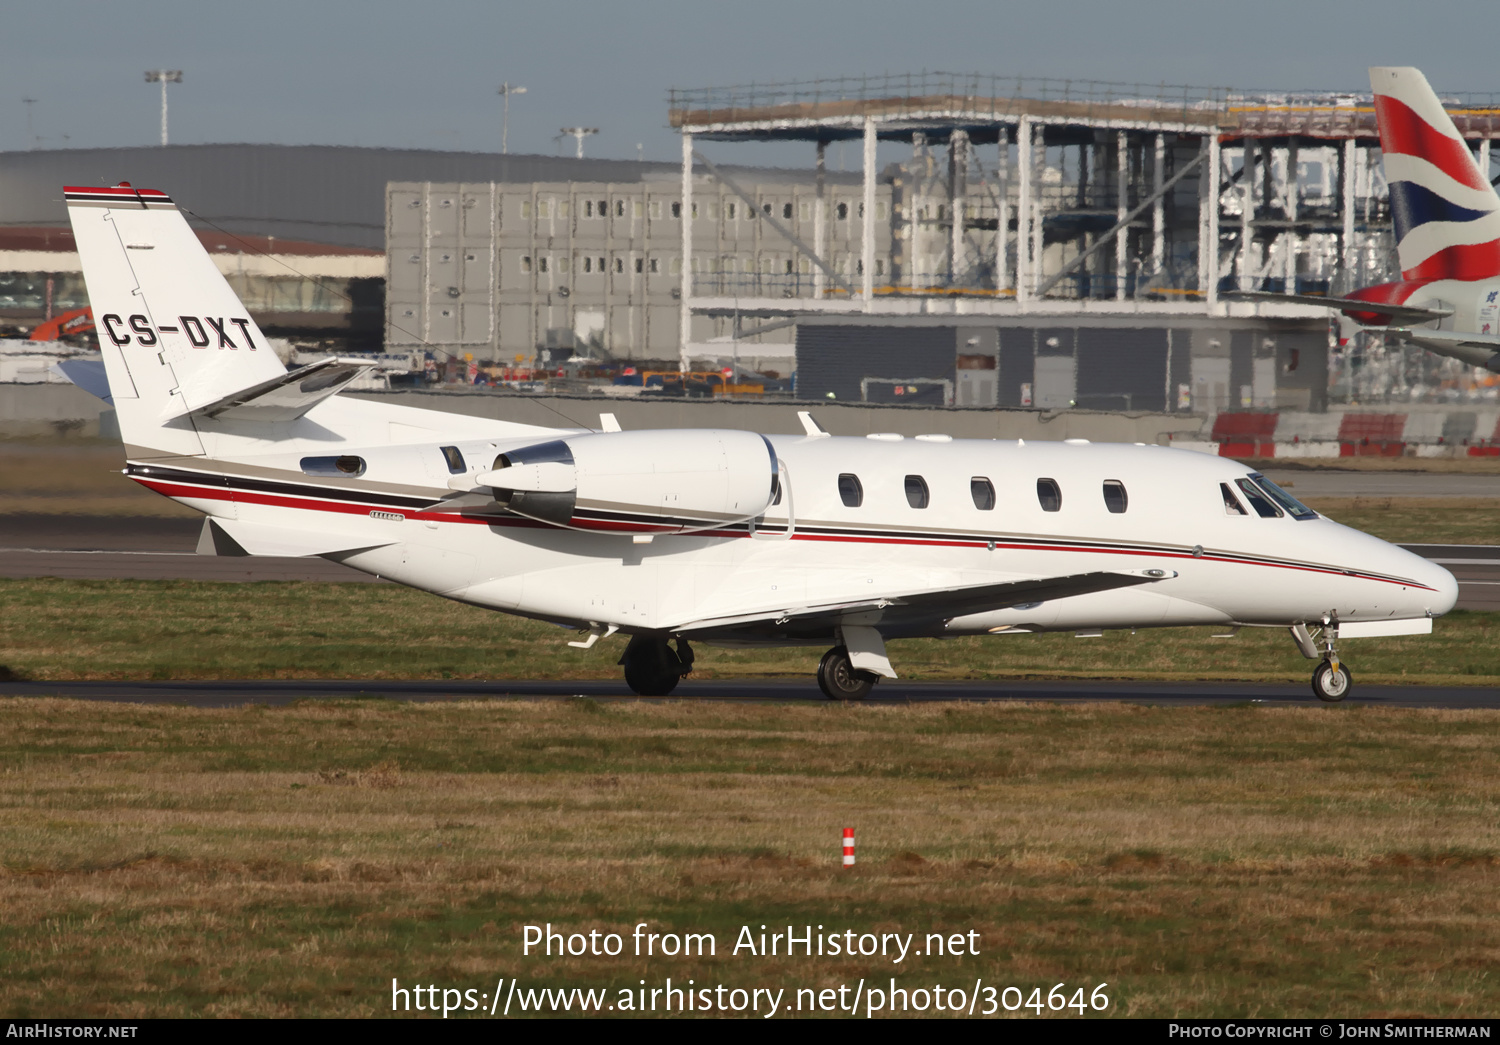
239	482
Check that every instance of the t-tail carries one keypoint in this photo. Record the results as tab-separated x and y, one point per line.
180	349
1445	212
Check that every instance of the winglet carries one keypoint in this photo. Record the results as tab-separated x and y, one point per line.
609	423
811	427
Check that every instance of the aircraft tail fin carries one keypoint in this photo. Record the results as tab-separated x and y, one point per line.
1445	211
174	336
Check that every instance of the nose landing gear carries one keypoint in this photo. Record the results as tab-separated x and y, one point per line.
1331	680
651	668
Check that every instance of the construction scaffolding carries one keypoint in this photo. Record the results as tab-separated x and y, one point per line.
1023	195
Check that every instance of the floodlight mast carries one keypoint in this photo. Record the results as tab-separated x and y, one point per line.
505	90
580	133
164	77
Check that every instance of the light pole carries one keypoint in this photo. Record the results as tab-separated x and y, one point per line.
164	77
580	133
505	91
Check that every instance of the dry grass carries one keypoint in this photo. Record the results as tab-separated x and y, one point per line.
69	629
1208	862
1417	520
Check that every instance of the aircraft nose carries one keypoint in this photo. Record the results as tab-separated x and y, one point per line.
1444	593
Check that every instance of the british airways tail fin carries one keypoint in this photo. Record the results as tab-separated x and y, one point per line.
1445	211
174	336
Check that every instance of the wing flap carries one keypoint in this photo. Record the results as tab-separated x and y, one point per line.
932	604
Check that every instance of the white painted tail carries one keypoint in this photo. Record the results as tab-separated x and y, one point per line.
175	338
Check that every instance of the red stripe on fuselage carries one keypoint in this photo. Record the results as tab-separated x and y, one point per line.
219	493
1403	131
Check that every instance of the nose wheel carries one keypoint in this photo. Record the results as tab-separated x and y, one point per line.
1331	681
838	678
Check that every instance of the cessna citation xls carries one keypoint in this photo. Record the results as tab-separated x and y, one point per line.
716	536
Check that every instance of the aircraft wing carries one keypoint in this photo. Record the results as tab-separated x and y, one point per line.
288	396
925	605
1474	349
1400	313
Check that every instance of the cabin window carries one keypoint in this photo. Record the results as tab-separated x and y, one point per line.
1115	497
1293	507
983	492
916	491
346	466
850	491
454	460
1232	505
1049	495
1258	500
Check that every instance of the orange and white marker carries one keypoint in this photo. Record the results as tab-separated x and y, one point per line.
848	847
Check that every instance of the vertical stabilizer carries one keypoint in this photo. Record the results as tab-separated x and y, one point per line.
1445	211
173	334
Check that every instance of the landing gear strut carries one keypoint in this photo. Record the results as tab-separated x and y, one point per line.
1331	680
839	680
651	668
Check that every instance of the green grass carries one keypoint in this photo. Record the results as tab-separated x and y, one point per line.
122	629
291	861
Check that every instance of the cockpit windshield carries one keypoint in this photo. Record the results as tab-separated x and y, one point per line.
1293	507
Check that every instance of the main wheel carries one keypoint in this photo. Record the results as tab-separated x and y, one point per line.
839	679
651	668
1330	685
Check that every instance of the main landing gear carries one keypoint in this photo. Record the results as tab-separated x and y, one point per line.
1331	680
840	680
652	669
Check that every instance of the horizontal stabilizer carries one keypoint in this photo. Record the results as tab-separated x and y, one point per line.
1400	313
943	602
235	537
288	396
1474	349
87	374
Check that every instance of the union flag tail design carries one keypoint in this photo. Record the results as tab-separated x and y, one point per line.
1445	211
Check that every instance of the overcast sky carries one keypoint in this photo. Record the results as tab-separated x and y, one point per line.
423	74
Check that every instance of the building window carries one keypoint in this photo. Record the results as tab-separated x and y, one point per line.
803	266
638	209
1049	495
588	208
563	264
859	267
654	265
804	211
841	211
729	211
677	210
850	490
879	266
604	208
544	208
619	264
601	264
916	491
676	266
525	208
880	212
713	211
562	208
541	264
983	492
789	270
640	265
786	210
861	210
619	208
588	264
525	262
1115	498
655	209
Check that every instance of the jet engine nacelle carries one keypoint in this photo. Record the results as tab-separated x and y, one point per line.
654	481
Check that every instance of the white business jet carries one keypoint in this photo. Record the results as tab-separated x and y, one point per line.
717	536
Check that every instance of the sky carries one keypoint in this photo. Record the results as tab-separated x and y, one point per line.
424	74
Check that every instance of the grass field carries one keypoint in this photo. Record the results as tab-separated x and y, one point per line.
1201	862
72	629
